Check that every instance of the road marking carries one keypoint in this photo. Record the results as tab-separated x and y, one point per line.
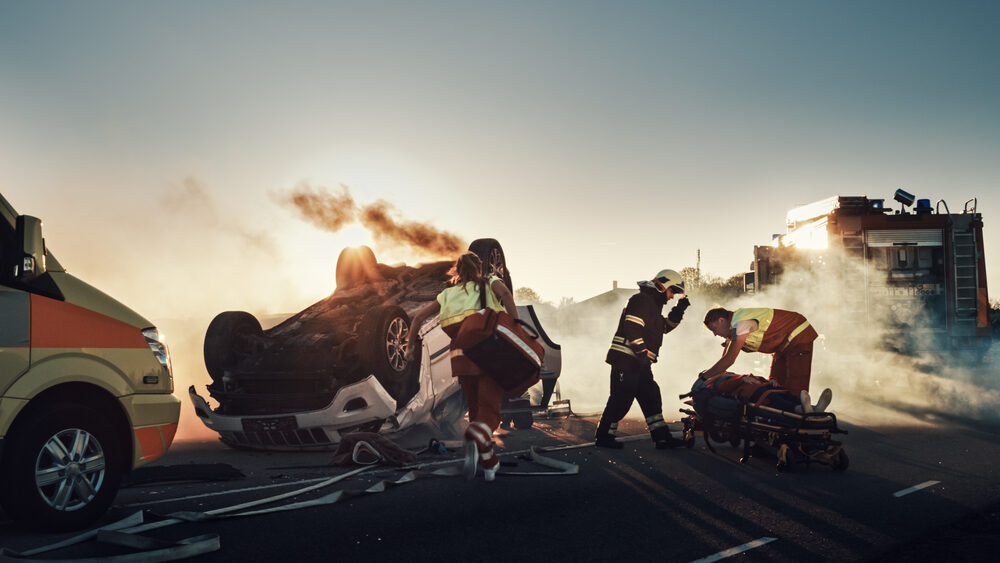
734	550
915	488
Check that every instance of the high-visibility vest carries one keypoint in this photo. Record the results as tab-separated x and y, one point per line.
461	301
776	328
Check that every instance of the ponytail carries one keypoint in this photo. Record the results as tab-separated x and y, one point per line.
467	268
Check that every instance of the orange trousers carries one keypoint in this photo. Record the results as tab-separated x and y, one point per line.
792	367
484	396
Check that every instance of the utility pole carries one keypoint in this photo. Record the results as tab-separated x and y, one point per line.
697	269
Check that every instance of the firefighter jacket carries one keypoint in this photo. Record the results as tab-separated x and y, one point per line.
641	328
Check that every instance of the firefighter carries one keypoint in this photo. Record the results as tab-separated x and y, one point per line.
786	335
633	351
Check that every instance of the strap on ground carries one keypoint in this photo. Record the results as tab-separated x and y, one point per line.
151	549
133	524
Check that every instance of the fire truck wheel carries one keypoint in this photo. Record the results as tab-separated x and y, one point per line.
355	265
226	341
491	253
63	468
382	336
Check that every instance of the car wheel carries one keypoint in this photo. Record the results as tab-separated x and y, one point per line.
382	335
356	265
494	262
227	341
62	468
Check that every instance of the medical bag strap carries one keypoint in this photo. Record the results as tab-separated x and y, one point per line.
482	293
760	400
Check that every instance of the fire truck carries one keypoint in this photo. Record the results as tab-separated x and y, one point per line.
918	274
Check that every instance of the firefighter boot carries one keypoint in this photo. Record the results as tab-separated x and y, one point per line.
606	436
660	432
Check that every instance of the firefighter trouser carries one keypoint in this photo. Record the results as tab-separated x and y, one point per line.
791	368
484	396
628	385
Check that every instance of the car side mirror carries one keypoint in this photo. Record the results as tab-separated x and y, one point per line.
31	245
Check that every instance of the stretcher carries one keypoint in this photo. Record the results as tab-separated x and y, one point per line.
795	439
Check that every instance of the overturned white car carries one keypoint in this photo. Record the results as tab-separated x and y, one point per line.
338	366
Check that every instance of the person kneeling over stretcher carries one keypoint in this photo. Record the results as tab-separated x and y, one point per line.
761	392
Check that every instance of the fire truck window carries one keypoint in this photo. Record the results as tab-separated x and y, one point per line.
901	256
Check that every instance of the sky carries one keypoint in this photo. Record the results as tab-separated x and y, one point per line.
597	141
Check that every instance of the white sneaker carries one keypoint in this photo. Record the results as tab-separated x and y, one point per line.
491	473
471	461
824	400
806	401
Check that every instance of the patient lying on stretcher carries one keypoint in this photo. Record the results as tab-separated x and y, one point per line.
759	391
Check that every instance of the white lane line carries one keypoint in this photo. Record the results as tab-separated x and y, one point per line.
915	488
734	550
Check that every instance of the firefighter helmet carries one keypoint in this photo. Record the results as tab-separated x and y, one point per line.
665	279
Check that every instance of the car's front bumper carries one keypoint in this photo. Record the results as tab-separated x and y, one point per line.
358	403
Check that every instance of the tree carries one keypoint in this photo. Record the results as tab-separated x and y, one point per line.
527	296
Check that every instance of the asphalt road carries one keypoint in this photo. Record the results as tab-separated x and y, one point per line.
636	504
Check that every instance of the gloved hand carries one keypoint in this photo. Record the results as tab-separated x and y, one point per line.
677	313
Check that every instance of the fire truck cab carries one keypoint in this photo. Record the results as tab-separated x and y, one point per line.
923	270
86	388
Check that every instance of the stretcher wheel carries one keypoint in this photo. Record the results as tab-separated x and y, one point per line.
840	462
784	464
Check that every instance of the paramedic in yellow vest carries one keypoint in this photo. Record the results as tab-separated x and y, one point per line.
786	335
483	394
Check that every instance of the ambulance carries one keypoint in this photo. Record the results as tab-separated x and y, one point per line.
86	389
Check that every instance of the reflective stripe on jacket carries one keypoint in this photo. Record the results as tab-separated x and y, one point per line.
776	328
640	330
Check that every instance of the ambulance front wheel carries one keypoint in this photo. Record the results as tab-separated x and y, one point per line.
62	468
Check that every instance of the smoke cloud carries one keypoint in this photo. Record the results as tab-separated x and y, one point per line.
872	383
334	211
192	200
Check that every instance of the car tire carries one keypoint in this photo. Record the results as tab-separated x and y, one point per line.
382	335
89	468
356	265
494	263
226	341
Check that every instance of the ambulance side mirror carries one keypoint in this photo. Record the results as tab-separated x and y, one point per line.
31	264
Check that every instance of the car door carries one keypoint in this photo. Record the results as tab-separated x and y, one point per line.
15	335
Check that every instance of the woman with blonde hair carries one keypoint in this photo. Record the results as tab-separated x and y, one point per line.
483	394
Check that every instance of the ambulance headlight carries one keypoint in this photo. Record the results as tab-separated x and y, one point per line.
160	351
